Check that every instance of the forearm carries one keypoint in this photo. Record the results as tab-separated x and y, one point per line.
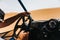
9	21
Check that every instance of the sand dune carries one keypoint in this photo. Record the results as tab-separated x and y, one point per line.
45	14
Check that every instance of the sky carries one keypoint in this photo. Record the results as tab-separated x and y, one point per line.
14	6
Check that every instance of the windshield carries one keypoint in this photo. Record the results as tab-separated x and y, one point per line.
13	5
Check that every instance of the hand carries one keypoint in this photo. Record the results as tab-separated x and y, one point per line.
24	13
23	35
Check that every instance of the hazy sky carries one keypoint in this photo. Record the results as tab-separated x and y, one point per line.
13	5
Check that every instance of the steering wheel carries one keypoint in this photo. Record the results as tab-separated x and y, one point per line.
23	26
24	17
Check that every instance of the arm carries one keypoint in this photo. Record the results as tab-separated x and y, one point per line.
10	20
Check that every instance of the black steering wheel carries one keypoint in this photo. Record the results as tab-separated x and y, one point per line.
23	26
